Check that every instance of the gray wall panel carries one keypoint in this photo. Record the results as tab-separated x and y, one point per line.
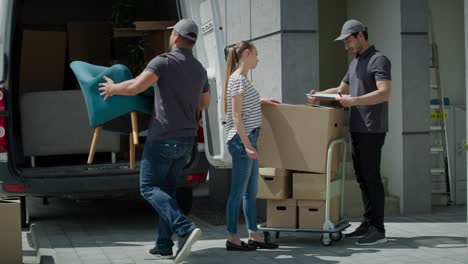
415	74
237	21
414	16
266	17
417	183
267	77
300	58
299	15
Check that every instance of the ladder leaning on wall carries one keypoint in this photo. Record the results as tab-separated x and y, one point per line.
438	129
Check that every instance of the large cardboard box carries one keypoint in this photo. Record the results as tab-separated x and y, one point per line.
90	42
274	184
282	213
312	213
42	61
296	137
312	186
10	232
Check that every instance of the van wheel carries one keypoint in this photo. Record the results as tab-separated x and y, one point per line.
25	218
184	199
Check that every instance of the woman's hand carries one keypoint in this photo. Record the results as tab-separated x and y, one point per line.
269	101
251	152
107	88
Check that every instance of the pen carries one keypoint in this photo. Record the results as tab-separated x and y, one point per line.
340	94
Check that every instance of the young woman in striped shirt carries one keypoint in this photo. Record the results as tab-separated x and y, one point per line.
243	121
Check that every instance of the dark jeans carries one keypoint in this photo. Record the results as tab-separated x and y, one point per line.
162	163
366	153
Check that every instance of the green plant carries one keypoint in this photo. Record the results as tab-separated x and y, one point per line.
123	14
136	57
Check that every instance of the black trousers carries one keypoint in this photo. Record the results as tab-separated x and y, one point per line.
366	153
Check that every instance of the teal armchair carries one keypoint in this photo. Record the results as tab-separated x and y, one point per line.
118	113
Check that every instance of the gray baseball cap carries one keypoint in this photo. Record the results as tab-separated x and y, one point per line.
186	28
350	27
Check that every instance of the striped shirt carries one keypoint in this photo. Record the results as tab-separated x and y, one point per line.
251	111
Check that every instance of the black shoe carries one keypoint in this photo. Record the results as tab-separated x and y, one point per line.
373	237
155	251
185	244
242	247
264	245
360	232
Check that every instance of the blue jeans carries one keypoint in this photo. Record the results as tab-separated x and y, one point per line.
244	184
162	163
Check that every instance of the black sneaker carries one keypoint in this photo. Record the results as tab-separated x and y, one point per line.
373	237
185	245
155	251
360	232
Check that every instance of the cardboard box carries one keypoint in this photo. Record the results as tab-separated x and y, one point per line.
274	184
310	186
10	232
312	213
154	25
296	137
42	61
90	42
282	213
156	43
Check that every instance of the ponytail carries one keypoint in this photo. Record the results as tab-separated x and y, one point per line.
232	63
231	66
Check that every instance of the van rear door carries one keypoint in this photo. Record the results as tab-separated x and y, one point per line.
5	24
210	51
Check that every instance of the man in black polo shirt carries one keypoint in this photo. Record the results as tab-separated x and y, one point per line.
180	90
365	89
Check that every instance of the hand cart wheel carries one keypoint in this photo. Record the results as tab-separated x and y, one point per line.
336	236
326	240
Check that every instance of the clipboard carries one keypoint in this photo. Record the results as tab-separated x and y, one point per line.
323	96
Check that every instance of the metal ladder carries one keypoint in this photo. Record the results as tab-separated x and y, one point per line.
439	130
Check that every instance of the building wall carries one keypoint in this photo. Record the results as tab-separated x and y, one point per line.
287	43
333	57
384	25
447	23
466	72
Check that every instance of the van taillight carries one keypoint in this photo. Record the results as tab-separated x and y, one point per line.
195	177
3	141
200	135
14	188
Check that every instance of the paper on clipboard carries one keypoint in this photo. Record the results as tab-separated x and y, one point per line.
323	96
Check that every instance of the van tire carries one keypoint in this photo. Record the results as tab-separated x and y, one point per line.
184	199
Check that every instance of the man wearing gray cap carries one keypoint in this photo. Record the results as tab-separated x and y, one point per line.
181	90
365	89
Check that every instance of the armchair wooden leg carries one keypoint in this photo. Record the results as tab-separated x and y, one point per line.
97	133
134	117
132	152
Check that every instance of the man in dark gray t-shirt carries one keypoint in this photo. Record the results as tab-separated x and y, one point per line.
181	90
365	89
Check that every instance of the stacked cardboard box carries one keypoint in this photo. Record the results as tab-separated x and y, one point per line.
42	61
309	189
10	232
90	42
275	185
296	139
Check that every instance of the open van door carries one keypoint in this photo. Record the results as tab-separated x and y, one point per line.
5	22
210	52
